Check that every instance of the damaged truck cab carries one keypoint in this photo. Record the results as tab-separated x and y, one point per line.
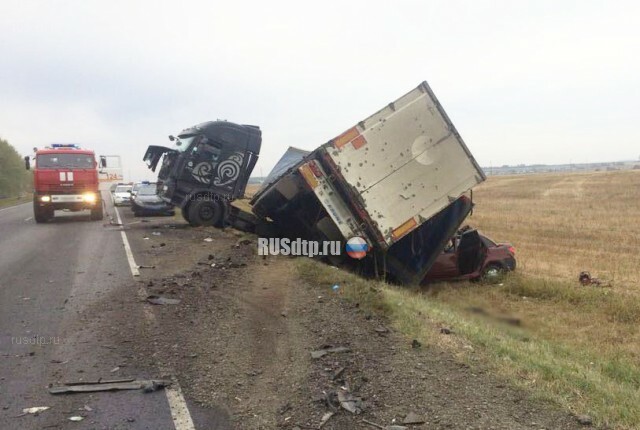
206	168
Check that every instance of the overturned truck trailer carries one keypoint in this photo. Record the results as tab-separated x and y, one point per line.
396	179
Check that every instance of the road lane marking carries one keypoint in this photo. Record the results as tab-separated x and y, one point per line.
127	249
177	405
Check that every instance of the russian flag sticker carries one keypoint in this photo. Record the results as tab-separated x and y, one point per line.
357	247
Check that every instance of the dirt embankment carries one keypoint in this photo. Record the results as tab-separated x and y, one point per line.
241	342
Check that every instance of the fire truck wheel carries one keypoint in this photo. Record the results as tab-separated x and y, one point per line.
42	214
206	211
96	213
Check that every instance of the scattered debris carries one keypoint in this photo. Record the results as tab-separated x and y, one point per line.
87	408
146	267
322	352
391	427
208	239
35	409
350	402
338	373
156	233
413	418
585	420
415	344
445	330
326	417
159	300
76	418
336	287
585	279
381	330
115	369
109	385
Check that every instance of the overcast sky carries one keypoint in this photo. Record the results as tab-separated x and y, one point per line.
524	82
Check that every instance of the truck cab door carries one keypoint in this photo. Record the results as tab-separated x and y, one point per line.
470	253
202	161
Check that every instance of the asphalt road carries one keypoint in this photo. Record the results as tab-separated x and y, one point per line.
50	274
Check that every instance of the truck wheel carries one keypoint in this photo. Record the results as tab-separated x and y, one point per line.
185	213
41	215
205	212
96	212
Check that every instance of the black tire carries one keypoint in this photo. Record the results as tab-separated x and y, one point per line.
96	212
492	273
224	207
185	213
41	214
207	211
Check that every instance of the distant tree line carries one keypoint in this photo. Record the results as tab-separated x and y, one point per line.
14	178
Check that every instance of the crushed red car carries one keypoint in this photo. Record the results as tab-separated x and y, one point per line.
472	256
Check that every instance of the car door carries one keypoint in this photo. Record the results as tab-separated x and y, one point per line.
469	252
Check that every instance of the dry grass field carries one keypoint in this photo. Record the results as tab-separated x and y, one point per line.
562	224
577	346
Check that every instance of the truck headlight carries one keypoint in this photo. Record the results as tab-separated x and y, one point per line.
45	198
89	197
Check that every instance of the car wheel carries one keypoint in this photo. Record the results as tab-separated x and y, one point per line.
205	212
492	273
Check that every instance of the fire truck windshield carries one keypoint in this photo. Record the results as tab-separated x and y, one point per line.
65	161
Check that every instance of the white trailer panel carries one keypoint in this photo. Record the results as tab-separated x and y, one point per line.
406	162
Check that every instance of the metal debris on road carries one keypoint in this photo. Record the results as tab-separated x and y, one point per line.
159	300
84	387
322	352
35	409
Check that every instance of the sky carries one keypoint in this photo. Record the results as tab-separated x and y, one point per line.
523	81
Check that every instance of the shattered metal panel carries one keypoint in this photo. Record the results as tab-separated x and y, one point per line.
290	158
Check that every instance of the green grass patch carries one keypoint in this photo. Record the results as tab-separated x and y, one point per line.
13	201
581	377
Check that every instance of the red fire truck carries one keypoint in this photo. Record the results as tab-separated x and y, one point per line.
65	177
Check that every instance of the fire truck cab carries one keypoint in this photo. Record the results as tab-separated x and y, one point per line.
65	177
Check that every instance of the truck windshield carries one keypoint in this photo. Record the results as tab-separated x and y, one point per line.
182	143
65	161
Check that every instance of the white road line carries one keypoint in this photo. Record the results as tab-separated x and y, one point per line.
127	249
177	405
